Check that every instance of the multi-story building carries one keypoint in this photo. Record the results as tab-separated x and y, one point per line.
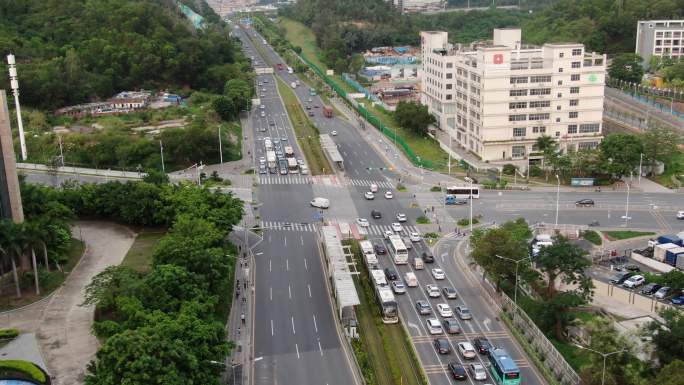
496	98
660	38
418	5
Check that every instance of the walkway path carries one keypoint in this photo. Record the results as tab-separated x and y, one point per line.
62	327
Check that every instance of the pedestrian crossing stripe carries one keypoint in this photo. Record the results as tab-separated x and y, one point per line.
321	180
380	229
460	337
286	226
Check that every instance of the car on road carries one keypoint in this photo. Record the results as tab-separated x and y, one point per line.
444	310
678	299
262	169
398	287
423	307
432	291
401	217
662	292
333	133
375	214
321	203
449	292
308	108
433	326
407	242
650	289
388	233
467	350
438	274
482	344
374	187
311	113
391	274
477	371
457	371
380	248
680	214
263	114
363	222
389	195
369	195
304	169
463	312
262	106
585	203
621	277
428	257
634	281
396	226
300	162
451	326
442	345
415	237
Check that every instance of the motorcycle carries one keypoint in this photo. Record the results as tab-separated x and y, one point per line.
594	224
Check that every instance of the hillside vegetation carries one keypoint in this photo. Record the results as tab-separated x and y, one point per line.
71	51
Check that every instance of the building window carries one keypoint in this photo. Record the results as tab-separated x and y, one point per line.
540	79
518	151
574	77
560	69
576	64
516	105
562	54
517	118
539	130
574	102
557	134
449	65
576	51
558	107
591	127
539	116
540	103
587	145
572	114
448	86
518	79
540	91
560	94
518	93
448	97
574	90
560	82
518	131
449	76
572	129
659	42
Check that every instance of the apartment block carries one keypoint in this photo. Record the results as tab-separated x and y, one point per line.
660	38
496	98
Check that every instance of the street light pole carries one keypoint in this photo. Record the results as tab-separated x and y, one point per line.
641	161
626	217
557	198
605	356
517	264
471	205
449	153
14	84
220	145
161	151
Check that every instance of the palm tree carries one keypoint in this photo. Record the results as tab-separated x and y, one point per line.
32	237
10	248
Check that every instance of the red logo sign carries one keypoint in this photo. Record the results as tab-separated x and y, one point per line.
498	58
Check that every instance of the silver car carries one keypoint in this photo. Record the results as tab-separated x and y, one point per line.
398	287
463	312
477	371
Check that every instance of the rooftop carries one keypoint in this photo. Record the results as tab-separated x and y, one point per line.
345	291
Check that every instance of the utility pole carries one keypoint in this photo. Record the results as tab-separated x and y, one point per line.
161	150
14	84
220	145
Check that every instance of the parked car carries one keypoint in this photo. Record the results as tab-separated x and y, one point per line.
678	299
585	203
457	371
376	214
428	257
442	345
662	292
634	281
482	344
451	326
620	278
467	350
449	292
391	274
380	248
423	307
650	289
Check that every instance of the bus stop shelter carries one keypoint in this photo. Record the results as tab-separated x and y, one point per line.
339	274
331	151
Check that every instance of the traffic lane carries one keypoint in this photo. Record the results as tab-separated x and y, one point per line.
286	203
565	197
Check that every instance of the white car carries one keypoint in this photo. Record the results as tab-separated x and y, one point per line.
432	291
321	203
401	217
680	214
634	281
304	170
433	326
396	226
369	195
398	287
467	350
333	133
388	233
389	195
363	222
444	310
477	371
415	237
438	274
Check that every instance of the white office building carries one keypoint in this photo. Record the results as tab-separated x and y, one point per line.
496	98
660	38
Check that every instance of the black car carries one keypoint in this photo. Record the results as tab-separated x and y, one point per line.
632	268
650	289
585	203
482	344
428	257
457	371
391	274
442	345
375	214
620	278
380	249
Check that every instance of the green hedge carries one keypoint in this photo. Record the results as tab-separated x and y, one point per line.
9	367
8	334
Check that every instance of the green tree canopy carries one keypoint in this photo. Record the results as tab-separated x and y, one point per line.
668	338
621	153
627	67
414	116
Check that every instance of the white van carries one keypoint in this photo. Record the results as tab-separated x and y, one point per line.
411	280
374	188
418	263
321	203
366	247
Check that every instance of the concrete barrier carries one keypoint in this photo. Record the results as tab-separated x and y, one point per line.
629	298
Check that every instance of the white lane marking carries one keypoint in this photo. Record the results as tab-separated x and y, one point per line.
486	323
269	238
289	291
320	348
287	264
412	325
305	265
309	286
260	358
259	253
270	292
293	329
285	239
315	326
297	348
301	238
272	330
269	265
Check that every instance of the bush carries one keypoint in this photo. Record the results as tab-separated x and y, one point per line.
435	189
536	171
8	334
422	220
593	237
509	169
29	369
401	187
431	235
466	221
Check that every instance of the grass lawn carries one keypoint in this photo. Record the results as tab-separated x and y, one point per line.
139	256
626	234
49	281
307	133
592	236
576	357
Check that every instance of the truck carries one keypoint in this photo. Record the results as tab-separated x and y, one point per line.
292	166
271	161
327	111
289	152
293	85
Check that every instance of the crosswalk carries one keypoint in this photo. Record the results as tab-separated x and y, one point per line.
286	226
380	229
331	180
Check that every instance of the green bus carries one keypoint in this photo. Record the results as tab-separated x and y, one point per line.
503	368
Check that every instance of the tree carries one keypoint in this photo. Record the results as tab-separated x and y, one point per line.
414	116
627	67
671	374
563	263
668	337
239	93
224	107
659	144
10	248
621	368
621	153
549	147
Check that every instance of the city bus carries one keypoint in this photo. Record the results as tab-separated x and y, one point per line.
454	194
292	166
388	305
399	250
503	368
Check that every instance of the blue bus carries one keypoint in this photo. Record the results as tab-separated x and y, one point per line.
503	368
